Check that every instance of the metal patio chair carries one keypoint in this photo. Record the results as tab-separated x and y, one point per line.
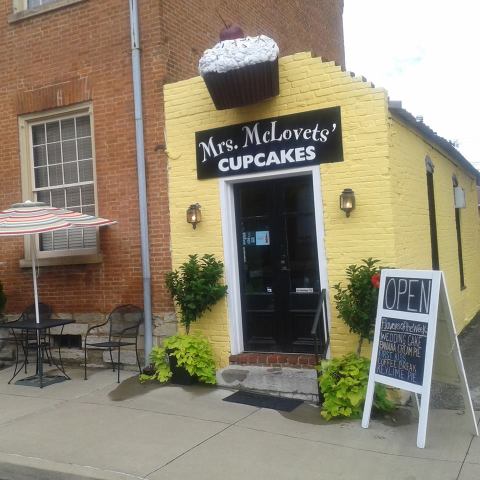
123	325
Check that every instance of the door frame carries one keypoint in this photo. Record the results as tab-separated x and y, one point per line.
229	231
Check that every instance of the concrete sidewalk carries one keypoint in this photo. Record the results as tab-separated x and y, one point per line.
98	429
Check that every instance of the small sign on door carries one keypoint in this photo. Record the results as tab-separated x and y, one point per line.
248	239
257	238
262	237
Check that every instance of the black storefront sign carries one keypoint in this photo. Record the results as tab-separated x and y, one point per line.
290	141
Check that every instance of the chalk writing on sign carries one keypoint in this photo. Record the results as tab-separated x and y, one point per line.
401	349
407	294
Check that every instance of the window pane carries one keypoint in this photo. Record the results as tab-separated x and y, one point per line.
39	156
90	237
34	3
68	128
73	197
69	151
54	153
46	242
58	198
83	126
71	172
41	177
38	134
53	132
44	196
60	240
88	195
85	170
38	3
89	210
55	174
75	238
84	148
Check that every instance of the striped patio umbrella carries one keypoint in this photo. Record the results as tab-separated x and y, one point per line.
31	218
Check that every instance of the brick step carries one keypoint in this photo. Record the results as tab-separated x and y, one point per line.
292	360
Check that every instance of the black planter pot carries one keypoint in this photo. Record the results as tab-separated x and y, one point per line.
180	376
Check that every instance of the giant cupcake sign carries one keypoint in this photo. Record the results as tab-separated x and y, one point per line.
289	141
240	70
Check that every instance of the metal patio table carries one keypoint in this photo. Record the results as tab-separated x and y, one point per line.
39	327
30	219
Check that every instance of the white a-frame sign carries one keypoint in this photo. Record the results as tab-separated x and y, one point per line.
415	339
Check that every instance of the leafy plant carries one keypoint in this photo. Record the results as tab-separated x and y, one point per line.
3	298
343	382
159	368
192	352
357	302
195	287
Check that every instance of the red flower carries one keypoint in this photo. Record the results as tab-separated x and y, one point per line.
375	280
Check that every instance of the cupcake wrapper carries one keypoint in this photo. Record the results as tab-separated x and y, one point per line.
243	86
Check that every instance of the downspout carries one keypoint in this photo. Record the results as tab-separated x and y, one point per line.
142	185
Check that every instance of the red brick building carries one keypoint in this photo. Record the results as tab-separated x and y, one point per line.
67	129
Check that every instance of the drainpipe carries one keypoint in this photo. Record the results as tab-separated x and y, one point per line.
142	185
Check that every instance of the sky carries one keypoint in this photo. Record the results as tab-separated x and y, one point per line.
425	53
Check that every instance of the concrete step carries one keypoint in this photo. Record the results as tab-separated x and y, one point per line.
282	381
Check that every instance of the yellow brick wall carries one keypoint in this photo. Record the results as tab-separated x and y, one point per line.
306	83
383	164
412	225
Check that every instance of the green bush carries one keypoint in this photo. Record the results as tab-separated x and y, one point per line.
3	298
192	352
343	383
195	287
357	302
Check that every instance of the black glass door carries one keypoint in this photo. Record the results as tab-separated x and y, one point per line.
278	263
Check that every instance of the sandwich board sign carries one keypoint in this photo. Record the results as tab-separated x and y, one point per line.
415	340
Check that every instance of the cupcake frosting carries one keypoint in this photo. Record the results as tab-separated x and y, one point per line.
234	54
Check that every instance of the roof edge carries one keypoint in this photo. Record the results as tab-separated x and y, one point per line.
396	108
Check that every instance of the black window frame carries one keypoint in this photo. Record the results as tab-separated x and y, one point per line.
458	228
432	213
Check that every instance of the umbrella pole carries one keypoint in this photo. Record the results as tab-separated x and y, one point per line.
34	272
37	311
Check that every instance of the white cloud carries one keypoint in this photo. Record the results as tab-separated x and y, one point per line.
424	53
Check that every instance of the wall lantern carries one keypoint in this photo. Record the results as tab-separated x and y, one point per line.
347	201
194	215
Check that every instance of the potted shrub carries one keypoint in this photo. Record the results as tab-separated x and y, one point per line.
192	353
196	286
343	383
357	302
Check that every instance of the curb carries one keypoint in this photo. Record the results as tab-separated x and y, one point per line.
17	467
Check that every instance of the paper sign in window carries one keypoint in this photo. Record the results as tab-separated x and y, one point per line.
262	237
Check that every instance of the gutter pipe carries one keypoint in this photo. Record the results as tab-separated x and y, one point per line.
142	184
